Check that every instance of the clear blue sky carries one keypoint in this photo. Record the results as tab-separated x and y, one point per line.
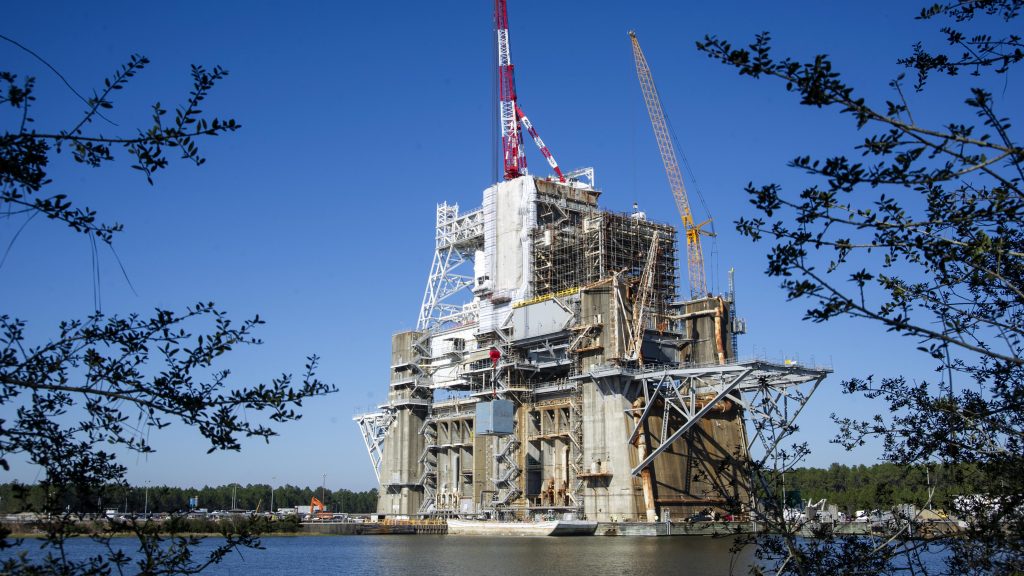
357	119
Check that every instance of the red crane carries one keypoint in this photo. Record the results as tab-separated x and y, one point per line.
509	112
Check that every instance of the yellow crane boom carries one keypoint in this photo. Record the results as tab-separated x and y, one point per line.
694	254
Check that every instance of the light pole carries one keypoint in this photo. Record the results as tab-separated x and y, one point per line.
273	480
145	508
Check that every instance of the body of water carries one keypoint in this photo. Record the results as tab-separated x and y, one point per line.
425	555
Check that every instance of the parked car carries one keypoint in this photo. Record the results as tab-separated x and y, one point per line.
702	516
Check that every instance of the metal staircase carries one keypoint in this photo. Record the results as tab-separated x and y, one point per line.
507	456
576	463
508	465
428	460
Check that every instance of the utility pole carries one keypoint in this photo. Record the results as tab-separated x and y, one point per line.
145	509
273	480
323	488
234	492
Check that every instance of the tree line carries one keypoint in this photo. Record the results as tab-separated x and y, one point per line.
851	488
879	486
16	497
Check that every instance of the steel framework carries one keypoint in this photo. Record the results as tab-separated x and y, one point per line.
760	387
374	428
456	238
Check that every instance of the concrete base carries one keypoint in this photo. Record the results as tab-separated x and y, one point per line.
373	528
633	529
675	529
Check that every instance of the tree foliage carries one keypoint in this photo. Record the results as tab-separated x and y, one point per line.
16	498
70	403
918	229
880	486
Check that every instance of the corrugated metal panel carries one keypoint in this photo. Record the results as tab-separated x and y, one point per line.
494	418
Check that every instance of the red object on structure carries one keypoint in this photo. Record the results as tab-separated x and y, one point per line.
495	355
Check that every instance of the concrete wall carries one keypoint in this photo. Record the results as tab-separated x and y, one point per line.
706	325
600	306
403	446
402	353
606	427
698	471
484	469
400	470
550	452
455	439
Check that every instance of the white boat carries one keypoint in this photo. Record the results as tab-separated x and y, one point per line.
541	528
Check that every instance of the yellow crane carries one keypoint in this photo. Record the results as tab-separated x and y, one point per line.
694	255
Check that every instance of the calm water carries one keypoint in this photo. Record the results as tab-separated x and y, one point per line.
468	555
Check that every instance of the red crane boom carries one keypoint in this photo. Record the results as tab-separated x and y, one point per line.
509	112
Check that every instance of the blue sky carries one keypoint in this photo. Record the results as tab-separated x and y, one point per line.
357	119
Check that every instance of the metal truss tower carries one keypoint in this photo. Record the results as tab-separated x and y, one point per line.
457	237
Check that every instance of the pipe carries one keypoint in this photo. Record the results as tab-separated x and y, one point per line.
688	315
646	478
723	405
693	501
719	342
